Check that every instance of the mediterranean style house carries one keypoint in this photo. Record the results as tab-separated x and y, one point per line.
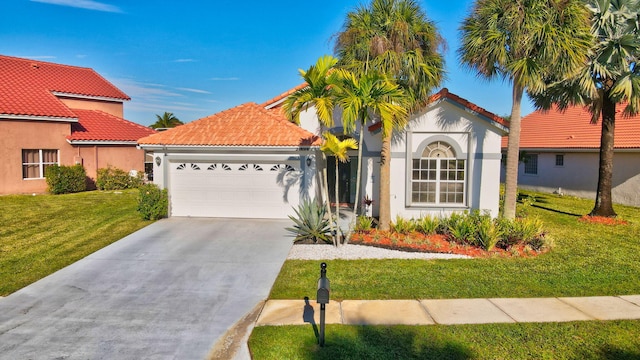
561	154
59	114
249	161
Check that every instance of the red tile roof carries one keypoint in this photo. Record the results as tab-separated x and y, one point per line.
99	126
276	101
27	87
573	129
445	94
249	124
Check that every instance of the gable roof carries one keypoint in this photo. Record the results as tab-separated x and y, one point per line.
573	129
95	126
248	124
277	101
444	94
28	88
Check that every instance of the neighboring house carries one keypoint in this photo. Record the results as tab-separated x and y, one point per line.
560	154
60	114
250	161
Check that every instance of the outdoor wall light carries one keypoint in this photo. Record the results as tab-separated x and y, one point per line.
158	160
309	160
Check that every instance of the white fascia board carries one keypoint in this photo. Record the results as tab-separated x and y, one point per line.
88	97
38	118
254	149
477	114
574	150
98	142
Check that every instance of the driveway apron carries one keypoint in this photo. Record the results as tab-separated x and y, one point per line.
168	291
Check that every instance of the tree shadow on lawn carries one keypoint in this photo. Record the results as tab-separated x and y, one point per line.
382	342
609	352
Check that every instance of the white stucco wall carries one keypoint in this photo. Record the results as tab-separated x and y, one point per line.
579	175
477	140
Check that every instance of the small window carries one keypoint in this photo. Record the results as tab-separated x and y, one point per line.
559	160
531	164
36	161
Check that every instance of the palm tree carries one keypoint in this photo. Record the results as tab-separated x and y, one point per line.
524	42
167	120
609	77
335	147
318	94
395	38
361	99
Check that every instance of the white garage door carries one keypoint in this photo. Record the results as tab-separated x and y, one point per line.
236	190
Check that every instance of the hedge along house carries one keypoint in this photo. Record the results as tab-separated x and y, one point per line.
245	162
446	160
60	114
561	154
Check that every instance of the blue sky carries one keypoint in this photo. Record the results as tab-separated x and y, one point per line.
196	58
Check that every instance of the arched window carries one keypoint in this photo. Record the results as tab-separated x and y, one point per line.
438	177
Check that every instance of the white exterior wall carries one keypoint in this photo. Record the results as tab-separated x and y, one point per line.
475	140
579	175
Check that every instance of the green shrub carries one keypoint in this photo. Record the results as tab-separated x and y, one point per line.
153	202
403	226
66	179
428	225
111	178
364	223
311	223
462	228
489	233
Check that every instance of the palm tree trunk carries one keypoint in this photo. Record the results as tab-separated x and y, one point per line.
513	150
337	203
325	193
358	171
385	183
604	201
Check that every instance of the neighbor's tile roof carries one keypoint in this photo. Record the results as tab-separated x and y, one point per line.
573	129
249	124
276	101
27	86
445	94
96	125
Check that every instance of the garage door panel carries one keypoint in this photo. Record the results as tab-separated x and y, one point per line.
260	190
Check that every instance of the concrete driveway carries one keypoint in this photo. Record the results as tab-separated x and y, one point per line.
168	291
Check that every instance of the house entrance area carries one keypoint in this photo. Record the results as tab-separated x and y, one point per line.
347	177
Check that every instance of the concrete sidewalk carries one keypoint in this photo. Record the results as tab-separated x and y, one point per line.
451	312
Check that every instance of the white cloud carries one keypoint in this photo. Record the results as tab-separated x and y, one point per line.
198	91
184	60
225	79
83	4
39	57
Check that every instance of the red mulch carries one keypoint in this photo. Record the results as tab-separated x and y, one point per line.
418	242
603	220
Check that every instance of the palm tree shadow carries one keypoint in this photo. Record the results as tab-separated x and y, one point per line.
384	342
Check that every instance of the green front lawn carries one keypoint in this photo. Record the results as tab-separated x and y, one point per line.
588	259
575	340
42	234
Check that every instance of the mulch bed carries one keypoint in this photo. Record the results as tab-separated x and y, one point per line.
418	242
603	220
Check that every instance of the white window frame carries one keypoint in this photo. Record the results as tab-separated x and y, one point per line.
41	163
438	181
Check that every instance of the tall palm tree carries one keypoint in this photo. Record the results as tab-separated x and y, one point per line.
335	147
167	120
524	42
395	38
609	77
318	94
362	99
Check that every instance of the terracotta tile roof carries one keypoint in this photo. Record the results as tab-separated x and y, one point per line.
445	94
249	124
27	86
276	102
96	125
573	129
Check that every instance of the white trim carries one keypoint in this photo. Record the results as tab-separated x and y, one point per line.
89	97
270	106
170	148
38	118
574	150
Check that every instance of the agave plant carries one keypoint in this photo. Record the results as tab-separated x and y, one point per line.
310	223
